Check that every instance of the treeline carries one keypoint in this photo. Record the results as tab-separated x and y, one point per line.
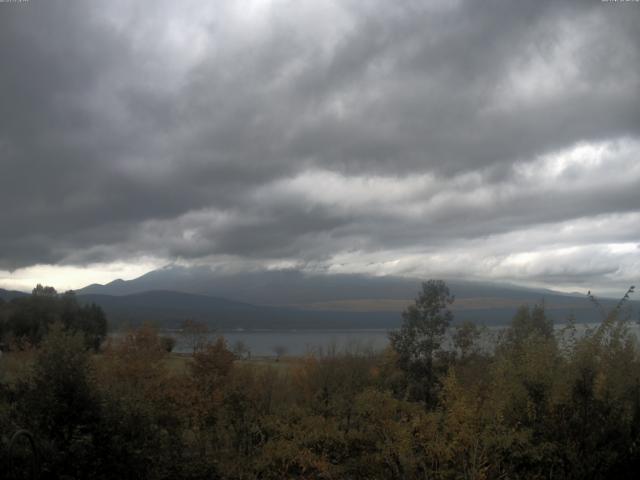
25	321
537	406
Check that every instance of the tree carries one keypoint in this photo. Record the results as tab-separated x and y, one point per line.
168	343
60	403
241	350
209	373
212	364
528	323
29	318
465	339
43	291
195	334
420	337
279	350
88	319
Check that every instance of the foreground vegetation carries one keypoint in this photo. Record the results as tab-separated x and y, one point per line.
539	406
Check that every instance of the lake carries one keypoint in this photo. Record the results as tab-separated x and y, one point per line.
300	342
292	342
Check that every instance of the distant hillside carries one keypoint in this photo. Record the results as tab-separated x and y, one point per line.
293	287
10	294
169	309
289	298
292	299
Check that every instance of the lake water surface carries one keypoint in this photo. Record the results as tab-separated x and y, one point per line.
294	342
300	342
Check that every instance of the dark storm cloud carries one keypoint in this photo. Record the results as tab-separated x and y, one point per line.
185	133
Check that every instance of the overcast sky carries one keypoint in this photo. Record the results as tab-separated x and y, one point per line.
493	140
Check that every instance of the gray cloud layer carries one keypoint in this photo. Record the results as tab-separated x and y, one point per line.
497	139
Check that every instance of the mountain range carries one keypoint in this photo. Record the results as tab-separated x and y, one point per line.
293	299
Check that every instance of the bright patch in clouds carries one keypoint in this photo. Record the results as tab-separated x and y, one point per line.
64	278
